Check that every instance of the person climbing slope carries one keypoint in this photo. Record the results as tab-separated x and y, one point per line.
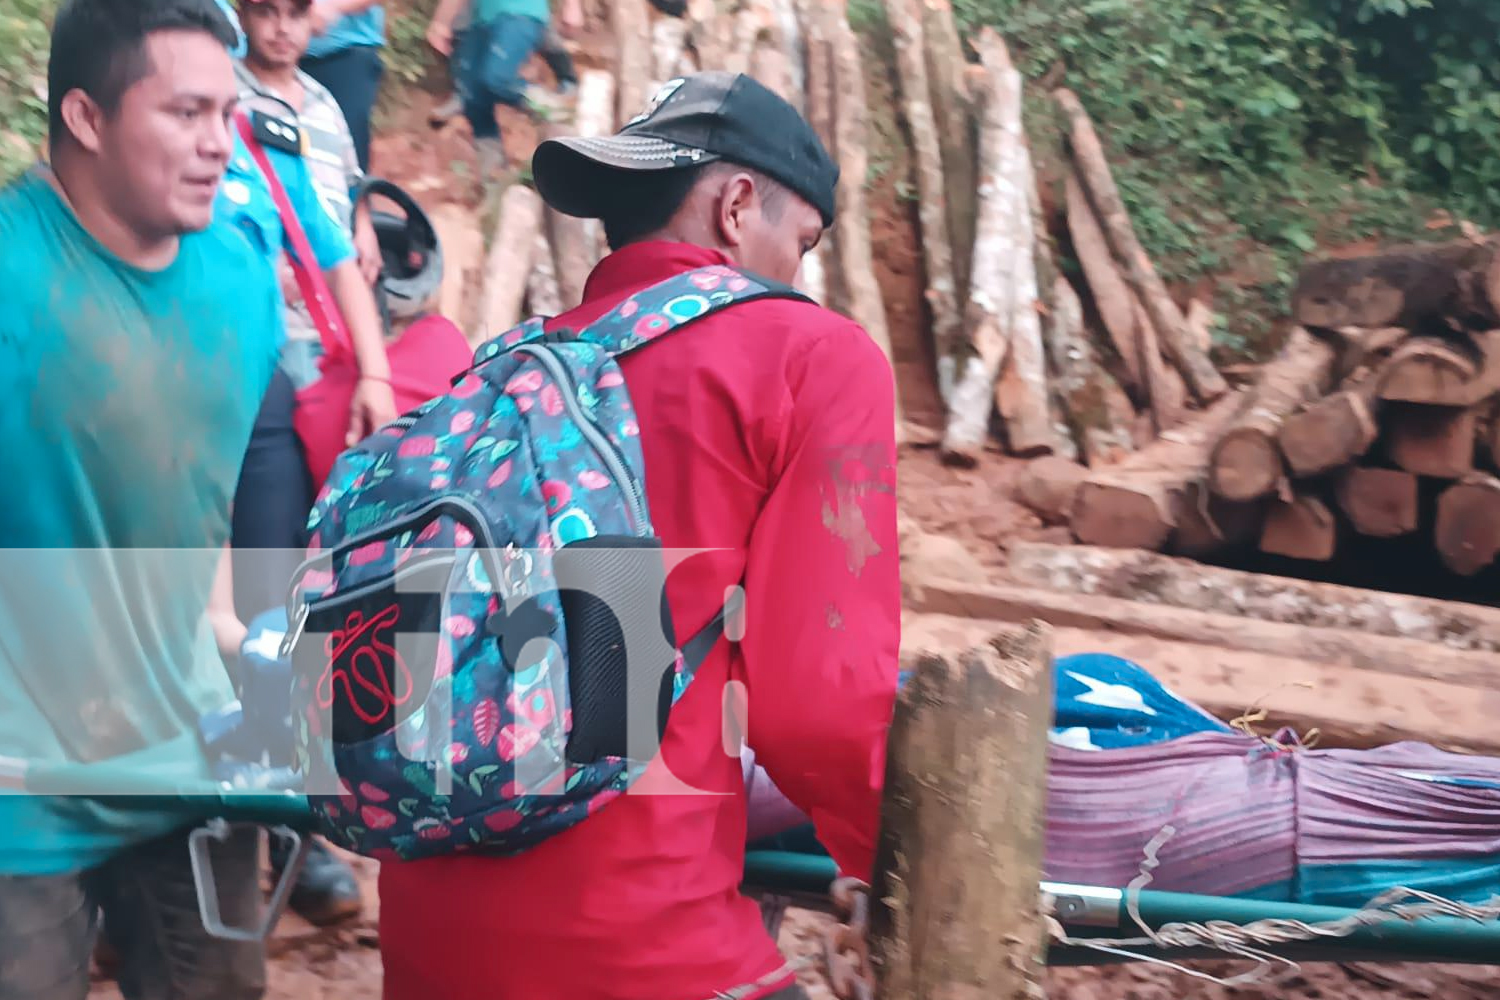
768	435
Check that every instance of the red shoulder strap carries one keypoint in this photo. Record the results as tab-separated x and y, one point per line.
320	304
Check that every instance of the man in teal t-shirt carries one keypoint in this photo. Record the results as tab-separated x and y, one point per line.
137	338
497	39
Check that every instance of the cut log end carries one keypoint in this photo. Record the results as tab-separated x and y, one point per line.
1303	529
1331	433
1467	533
1125	514
1433	441
1245	465
1429	370
1381	503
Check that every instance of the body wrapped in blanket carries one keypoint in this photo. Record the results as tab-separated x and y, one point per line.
1249	817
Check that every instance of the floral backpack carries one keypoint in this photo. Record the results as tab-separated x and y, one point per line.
480	572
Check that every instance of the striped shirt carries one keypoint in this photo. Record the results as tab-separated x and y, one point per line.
328	149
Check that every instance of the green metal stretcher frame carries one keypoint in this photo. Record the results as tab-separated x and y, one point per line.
804	875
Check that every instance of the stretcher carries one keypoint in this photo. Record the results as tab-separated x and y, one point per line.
791	868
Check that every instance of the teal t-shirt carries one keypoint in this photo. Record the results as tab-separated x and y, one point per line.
485	11
367	28
127	399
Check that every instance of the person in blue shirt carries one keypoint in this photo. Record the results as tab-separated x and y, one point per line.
344	56
138	334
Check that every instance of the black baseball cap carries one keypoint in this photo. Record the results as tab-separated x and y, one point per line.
692	120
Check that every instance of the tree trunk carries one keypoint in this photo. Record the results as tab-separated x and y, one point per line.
1202	378
1436	441
851	134
1137	503
1333	431
668	45
1408	286
793	45
1097	410
1180	583
1429	370
1022	393
955	910
1112	296
1467	534
821	275
1381	503
1246	463
542	295
1302	528
1006	366
633	56
770	65
905	19
579	243
1390	657
1165	387
1200	322
746	29
510	259
710	33
953	109
463	262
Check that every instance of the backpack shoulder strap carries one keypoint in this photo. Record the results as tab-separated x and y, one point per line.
675	302
522	333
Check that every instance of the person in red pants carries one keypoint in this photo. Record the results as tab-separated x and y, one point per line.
768	435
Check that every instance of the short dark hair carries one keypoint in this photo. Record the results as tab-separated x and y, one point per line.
99	46
645	201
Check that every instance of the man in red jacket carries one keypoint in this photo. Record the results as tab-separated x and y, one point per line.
768	434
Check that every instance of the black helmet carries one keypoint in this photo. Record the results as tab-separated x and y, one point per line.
411	270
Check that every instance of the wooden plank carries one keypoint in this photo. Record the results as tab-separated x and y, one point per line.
1155	579
1376	654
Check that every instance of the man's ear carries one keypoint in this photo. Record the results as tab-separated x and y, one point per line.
83	118
736	200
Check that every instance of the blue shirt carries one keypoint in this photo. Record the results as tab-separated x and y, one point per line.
127	399
245	201
367	28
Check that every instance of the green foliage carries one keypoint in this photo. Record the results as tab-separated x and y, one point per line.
1246	134
23	77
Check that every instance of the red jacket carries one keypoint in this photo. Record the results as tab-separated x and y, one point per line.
768	433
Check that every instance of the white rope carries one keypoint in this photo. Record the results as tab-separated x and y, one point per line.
1249	941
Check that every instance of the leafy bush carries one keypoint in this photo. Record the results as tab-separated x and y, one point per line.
23	74
1248	133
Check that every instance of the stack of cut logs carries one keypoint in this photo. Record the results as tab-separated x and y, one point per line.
804	50
1011	334
1377	418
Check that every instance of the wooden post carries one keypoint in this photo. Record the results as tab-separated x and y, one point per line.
509	264
955	906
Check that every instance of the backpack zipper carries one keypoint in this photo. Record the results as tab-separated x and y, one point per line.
602	444
298	610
